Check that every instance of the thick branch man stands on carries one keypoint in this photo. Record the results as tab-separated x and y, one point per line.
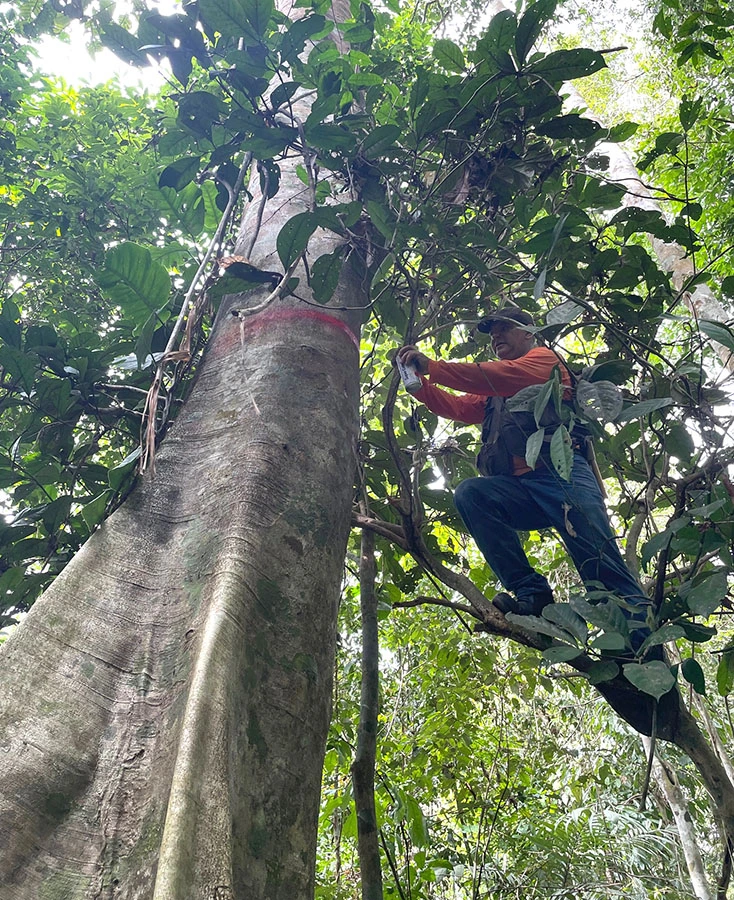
510	496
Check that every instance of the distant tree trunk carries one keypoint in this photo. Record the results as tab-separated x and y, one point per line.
363	767
667	782
164	707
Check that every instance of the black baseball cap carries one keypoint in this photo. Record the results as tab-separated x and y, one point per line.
512	314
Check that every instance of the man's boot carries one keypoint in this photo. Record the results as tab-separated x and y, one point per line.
526	606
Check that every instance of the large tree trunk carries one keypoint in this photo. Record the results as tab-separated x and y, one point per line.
164	707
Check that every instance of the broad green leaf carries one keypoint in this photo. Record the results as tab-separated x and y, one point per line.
725	671
533	447
601	401
526	398
615	370
382	218
693	674
609	640
678	442
132	280
379	139
565	65
118	475
93	511
145	340
542	626
530	25
496	42
661	540
604	670
180	173
542	399
10	330
20	366
654	678
718	332
564	313
325	276
123	44
704	593
564	615
571	125
294	236
561	452
237	18
449	55
417	822
56	513
644	408
606	615
259	13
697	633
668	632
622	132
326	136
561	654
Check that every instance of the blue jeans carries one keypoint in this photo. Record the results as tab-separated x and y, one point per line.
495	508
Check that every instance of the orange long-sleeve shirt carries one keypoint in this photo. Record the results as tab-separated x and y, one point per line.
478	381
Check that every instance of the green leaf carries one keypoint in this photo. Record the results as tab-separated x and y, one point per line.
93	511
604	670
542	400
661	540
294	236
563	313
449	55
20	366
693	674
118	475
382	218
180	173
542	626
533	447
10	330
379	139
237	18
601	401
704	593
124	45
662	635
530	25
561	452
56	513
698	634
616	370
325	276
565	65
564	615
640	410
718	332
561	654
569	126
654	678
497	41
326	136
725	671
132	280
259	13
622	132
610	640
602	615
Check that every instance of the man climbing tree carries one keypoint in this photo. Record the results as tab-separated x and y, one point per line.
517	493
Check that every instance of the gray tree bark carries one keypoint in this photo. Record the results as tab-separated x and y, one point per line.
164	707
